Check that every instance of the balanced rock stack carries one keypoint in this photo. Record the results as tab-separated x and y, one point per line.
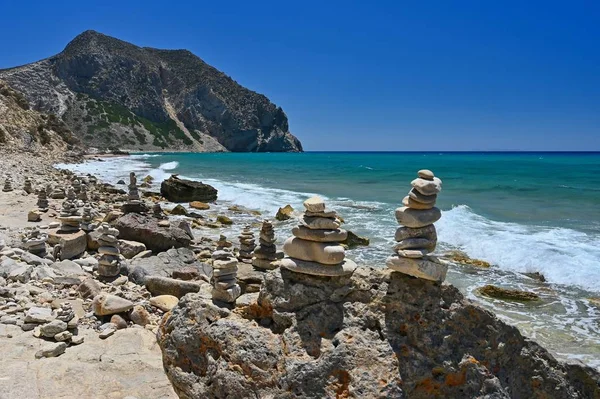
265	255
87	218
83	195
418	238
247	245
315	247
7	185
224	279
69	214
134	194
35	242
109	264
27	186
42	201
76	184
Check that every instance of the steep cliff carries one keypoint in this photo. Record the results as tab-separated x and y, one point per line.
114	94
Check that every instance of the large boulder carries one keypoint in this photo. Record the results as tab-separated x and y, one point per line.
146	229
71	244
165	263
175	189
372	334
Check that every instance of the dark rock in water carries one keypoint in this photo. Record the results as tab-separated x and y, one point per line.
165	264
134	207
355	240
536	276
508	294
179	210
113	94
175	189
372	334
169	286
145	229
284	213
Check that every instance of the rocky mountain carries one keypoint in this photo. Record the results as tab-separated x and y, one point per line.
111	93
24	129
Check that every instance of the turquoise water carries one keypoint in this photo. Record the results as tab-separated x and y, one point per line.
522	212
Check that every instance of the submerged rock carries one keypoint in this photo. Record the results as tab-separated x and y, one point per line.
508	294
370	334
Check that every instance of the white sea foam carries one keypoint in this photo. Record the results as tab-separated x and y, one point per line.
563	256
169	165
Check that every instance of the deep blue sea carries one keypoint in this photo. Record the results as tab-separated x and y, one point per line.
522	212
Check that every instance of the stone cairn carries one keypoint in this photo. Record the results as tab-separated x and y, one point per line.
70	219
83	194
157	211
315	246
27	186
109	264
7	185
247	245
35	242
87	219
224	279
134	194
76	184
265	255
418	238
42	201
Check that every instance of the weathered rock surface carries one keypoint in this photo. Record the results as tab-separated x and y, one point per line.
113	94
165	263
374	334
182	190
146	229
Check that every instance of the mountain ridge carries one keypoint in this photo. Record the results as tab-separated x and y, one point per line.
112	93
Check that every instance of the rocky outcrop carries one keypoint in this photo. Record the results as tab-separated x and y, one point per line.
372	334
175	189
115	94
150	232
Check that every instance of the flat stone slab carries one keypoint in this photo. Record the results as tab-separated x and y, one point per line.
428	268
316	269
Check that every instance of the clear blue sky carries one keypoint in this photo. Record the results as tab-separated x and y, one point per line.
418	75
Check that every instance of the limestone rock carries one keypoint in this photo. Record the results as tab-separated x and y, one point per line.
417	218
164	302
71	244
107	304
336	235
314	204
199	205
175	189
325	253
284	213
428	267
508	294
427	187
146	229
165	263
139	315
319	223
158	285
34	216
51	350
129	249
344	268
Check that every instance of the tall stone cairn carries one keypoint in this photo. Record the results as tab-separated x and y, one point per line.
224	279
70	219
35	242
7	185
265	255
87	219
83	194
109	264
42	201
134	194
27	185
418	238
76	184
315	246
247	245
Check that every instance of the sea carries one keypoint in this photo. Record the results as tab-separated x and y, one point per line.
521	212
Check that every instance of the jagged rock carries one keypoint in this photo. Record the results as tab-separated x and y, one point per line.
145	229
354	240
284	213
129	249
175	189
371	334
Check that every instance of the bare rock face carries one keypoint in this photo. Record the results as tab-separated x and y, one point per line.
114	94
372	334
175	189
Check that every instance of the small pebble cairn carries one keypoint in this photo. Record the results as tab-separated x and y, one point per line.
109	264
134	194
224	279
35	242
69	214
7	185
65	312
314	248
265	255
83	194
42	201
417	237
157	211
247	245
27	186
223	243
76	184
87	219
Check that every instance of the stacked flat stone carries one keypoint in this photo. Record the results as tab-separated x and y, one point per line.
56	192
35	242
70	220
87	219
42	201
134	194
76	184
83	194
109	264
247	245
27	186
418	238
224	279
65	313
7	185
223	243
157	211
265	255
315	246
